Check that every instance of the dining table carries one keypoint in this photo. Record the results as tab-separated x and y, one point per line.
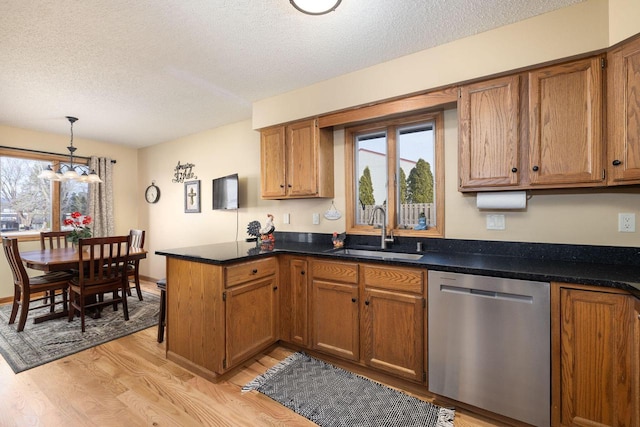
61	259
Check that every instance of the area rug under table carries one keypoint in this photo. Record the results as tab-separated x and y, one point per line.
47	341
331	396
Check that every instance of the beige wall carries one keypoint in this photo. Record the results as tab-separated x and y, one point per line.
125	184
219	152
624	16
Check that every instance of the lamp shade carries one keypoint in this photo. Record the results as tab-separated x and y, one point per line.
315	7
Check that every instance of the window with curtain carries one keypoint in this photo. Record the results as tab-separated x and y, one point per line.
28	204
397	164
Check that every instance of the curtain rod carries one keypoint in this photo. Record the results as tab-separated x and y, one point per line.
47	152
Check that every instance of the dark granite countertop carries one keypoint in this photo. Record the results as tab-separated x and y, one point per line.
588	265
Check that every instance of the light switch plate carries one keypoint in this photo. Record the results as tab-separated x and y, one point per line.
286	218
316	218
495	222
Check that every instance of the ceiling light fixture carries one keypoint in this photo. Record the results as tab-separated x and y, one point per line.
70	172
315	7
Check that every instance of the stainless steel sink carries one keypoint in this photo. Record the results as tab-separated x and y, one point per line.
377	254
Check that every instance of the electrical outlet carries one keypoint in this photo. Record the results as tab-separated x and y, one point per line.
627	222
316	218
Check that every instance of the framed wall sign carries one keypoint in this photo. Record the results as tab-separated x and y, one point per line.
192	196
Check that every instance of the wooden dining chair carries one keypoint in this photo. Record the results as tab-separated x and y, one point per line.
51	287
102	271
54	239
137	241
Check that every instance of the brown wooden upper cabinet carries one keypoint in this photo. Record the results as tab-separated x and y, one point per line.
623	110
565	124
489	118
539	129
296	161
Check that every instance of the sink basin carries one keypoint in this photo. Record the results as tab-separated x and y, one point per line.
377	254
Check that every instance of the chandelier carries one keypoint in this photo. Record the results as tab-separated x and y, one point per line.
70	172
315	7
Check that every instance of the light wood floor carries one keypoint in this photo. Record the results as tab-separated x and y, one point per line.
128	382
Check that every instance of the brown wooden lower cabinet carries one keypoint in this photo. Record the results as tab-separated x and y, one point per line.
251	319
595	360
393	320
335	314
218	316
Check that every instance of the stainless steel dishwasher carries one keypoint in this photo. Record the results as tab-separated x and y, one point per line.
489	344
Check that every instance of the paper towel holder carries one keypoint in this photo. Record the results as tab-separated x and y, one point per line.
502	200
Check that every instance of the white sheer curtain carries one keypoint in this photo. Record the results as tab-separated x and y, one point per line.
101	198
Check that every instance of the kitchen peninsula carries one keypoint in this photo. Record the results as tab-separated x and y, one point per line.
229	301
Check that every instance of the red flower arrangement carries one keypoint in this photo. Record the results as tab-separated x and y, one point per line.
80	224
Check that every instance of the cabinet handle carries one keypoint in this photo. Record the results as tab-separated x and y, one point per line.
366	303
514	170
616	163
353	300
254	271
536	168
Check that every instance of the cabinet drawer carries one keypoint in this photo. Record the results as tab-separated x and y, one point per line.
241	273
335	271
393	278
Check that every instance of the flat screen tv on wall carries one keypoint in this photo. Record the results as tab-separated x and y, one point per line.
225	192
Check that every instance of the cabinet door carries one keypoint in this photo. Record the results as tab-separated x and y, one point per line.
393	332
299	299
565	124
596	359
251	320
301	159
272	153
489	117
624	114
335	319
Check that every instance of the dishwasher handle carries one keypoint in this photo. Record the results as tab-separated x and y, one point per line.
487	294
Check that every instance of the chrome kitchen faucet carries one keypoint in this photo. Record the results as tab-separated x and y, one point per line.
383	238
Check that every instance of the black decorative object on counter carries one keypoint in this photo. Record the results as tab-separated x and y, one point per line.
253	229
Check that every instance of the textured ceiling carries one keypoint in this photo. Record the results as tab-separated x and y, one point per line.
142	72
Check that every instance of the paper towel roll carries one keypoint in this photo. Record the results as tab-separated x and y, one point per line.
502	200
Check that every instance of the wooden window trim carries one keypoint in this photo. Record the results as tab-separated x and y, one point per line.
350	178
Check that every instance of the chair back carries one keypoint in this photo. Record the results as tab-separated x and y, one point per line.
137	238
48	238
103	260
20	276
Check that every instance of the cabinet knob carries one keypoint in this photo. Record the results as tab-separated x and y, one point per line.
353	300
302	272
254	271
289	185
514	170
281	185
275	288
536	168
616	163
366	303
